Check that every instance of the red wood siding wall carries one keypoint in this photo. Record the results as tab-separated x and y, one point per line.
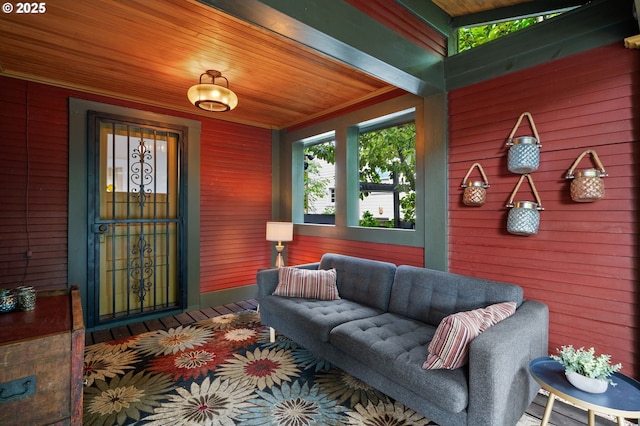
42	128
405	23
235	190
583	263
236	204
306	249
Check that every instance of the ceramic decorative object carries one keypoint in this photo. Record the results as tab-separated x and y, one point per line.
587	185
475	192
26	298
585	370
587	384
524	216
8	300
524	151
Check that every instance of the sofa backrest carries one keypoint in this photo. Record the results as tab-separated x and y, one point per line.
364	281
428	295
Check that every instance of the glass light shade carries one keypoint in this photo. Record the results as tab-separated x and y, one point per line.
279	231
212	97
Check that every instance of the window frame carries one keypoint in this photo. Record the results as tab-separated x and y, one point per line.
347	178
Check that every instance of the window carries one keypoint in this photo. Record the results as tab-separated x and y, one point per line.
387	171
150	146
319	179
470	37
375	156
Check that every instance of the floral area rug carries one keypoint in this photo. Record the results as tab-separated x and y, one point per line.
224	371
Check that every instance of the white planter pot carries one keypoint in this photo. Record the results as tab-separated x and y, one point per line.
587	384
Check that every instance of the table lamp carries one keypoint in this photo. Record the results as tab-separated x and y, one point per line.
279	231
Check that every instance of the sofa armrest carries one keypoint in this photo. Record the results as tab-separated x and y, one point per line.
267	279
500	386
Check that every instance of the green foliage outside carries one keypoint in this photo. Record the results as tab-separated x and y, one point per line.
471	37
368	219
391	150
315	186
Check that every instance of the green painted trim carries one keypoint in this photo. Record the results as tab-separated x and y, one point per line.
77	234
352	178
597	24
296	171
436	196
224	297
336	29
77	202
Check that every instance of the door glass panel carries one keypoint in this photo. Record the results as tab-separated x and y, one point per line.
138	221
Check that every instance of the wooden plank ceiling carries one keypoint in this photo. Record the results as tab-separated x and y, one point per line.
152	52
467	7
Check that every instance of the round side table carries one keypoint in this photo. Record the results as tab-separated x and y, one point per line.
622	400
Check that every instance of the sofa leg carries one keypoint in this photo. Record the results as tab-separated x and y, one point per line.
272	334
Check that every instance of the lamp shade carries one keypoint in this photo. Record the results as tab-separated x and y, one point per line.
211	96
279	231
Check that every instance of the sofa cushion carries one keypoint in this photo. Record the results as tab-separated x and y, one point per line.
362	280
310	284
395	346
313	317
450	345
428	295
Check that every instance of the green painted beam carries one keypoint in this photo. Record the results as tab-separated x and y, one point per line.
338	30
597	24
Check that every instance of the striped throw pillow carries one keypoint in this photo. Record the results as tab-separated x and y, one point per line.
307	283
449	347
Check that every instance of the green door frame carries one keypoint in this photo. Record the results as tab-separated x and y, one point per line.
77	230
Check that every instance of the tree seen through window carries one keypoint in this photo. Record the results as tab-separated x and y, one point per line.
387	177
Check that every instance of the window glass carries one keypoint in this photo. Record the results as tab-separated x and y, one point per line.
319	179
387	171
473	36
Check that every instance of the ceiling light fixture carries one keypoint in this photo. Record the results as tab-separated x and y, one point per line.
211	96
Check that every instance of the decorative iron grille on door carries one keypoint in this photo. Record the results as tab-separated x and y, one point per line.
135	212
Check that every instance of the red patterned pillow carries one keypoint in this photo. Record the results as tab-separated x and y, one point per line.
308	283
449	347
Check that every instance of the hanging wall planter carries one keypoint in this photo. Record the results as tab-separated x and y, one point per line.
524	151
587	185
475	192
524	216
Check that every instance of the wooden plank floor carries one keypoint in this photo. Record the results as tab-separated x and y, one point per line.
562	415
165	323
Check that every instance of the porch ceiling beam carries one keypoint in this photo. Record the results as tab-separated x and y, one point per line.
596	24
337	30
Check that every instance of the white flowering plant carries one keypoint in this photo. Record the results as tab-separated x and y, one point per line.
584	361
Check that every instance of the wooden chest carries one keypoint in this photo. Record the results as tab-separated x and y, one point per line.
41	362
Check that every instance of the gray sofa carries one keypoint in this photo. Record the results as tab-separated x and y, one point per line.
380	328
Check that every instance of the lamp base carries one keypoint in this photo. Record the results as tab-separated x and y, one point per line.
279	257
